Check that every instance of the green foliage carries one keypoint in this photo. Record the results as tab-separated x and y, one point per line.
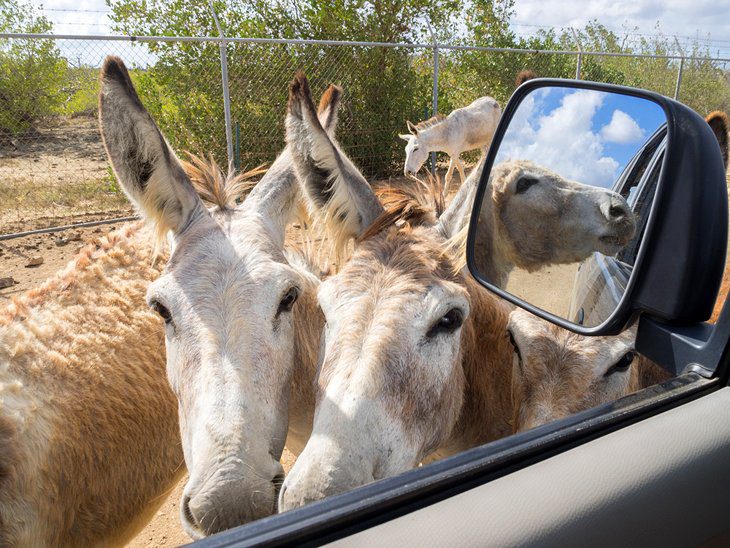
81	92
383	86
32	72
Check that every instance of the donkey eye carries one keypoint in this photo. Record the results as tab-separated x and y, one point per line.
524	183
622	365
288	300
162	311
448	323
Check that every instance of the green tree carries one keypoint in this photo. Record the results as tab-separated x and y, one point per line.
383	86
32	72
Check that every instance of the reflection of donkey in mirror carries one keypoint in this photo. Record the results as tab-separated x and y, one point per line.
464	129
532	217
242	326
89	439
416	356
557	372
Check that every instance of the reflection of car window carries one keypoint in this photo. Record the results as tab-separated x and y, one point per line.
630	179
595	295
641	206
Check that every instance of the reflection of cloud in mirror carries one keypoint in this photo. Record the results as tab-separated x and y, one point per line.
622	129
562	139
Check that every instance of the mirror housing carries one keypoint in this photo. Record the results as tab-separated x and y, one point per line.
680	261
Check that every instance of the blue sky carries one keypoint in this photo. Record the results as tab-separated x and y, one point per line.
584	135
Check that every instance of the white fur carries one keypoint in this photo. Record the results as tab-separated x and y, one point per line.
464	129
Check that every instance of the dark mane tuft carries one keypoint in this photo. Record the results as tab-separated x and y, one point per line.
412	203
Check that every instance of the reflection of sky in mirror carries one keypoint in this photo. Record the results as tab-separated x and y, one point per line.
585	135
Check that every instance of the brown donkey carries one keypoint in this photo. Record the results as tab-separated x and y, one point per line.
89	439
416	357
557	372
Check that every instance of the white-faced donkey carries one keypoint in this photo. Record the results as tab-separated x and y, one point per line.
416	357
242	324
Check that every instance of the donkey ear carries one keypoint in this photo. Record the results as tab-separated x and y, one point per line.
406	138
143	162
413	129
333	186
719	124
327	111
276	194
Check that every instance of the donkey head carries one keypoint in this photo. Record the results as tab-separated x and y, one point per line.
416	151
228	297
541	218
390	382
557	372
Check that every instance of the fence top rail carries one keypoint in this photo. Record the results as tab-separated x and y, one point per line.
301	41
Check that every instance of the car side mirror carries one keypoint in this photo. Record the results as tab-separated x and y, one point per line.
599	202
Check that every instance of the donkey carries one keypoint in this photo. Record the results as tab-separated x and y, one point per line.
523	76
720	124
404	295
415	353
532	217
242	326
557	372
89	438
465	128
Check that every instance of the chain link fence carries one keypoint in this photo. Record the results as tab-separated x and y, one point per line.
53	168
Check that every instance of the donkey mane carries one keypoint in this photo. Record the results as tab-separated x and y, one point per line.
415	203
431	122
216	189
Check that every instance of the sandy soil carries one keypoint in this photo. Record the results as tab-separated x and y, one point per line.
549	288
57	171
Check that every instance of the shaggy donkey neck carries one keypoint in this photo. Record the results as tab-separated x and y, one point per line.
308	326
85	401
433	137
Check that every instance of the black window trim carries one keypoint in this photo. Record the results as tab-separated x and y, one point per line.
382	501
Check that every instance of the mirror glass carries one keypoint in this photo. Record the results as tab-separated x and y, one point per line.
568	198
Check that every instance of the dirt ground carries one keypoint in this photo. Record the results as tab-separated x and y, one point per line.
54	173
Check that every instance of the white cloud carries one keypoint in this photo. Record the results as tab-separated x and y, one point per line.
563	139
697	19
622	129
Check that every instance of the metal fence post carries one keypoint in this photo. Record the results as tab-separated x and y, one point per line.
226	95
435	86
679	78
580	54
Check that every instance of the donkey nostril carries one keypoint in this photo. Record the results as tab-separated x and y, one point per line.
278	481
616	211
187	513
